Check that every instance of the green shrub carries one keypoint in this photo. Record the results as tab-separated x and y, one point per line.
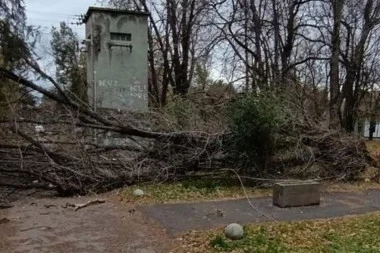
254	122
180	112
207	185
219	242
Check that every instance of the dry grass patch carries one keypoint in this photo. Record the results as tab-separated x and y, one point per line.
189	191
349	186
348	234
213	190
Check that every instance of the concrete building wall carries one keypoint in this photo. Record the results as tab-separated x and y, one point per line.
117	59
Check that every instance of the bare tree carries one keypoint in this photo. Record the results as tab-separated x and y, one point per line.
173	40
361	24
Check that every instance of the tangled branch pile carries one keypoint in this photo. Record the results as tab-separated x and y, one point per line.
327	154
82	151
80	167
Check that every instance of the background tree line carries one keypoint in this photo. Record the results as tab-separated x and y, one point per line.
326	50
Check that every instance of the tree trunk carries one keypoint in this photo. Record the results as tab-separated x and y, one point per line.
337	6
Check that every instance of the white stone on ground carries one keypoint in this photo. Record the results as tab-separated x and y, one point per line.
138	193
234	231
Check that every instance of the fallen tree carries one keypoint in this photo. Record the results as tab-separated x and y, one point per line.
84	165
73	157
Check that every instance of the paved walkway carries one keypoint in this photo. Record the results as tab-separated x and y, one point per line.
177	218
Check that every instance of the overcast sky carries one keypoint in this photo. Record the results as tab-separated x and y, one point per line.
48	13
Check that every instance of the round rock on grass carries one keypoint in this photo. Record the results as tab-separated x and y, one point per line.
138	193
234	231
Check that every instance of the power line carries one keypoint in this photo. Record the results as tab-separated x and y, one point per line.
48	20
49	12
49	24
52	24
73	20
79	20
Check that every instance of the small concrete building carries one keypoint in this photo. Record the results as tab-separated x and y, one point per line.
117	60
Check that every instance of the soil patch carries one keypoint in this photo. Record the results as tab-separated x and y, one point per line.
44	225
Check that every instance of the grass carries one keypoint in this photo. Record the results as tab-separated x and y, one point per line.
348	234
373	146
211	190
186	191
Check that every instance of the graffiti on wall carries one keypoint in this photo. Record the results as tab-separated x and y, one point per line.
119	90
120	74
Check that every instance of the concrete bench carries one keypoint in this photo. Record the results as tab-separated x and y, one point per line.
296	193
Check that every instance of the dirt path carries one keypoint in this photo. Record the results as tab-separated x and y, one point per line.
43	225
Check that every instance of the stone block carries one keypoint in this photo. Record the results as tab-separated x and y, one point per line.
296	193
